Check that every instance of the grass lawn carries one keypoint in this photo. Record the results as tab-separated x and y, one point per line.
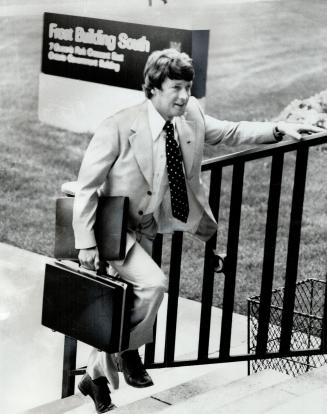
262	55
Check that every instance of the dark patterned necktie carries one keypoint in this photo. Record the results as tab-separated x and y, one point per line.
176	178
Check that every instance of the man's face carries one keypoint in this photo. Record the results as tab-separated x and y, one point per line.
172	98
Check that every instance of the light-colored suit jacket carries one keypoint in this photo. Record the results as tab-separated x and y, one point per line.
118	162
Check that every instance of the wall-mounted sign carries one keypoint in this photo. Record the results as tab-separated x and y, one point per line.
114	53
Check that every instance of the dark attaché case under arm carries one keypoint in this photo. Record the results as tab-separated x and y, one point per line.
90	308
110	228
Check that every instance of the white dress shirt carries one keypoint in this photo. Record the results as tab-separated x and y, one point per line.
160	198
160	178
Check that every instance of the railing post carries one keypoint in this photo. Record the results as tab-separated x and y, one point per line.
294	239
249	337
173	294
269	252
69	364
150	348
324	323
208	271
231	265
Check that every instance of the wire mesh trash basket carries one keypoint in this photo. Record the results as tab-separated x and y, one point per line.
306	333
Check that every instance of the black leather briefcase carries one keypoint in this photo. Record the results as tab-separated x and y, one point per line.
90	308
110	228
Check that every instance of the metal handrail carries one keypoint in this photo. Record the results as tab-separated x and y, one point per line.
215	166
265	150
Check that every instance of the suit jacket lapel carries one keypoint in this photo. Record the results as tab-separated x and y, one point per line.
142	143
186	137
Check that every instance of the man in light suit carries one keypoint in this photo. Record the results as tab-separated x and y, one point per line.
152	153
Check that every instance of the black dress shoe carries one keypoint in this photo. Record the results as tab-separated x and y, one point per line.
99	392
129	362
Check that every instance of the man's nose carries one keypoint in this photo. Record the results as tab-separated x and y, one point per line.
184	94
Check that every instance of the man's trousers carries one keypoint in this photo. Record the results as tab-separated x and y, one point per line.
149	284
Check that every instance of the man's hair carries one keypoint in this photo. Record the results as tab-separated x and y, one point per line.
167	63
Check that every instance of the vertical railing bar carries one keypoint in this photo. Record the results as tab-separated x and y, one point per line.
69	365
231	259
208	269
324	323
293	247
173	293
309	330
269	252
157	256
249	336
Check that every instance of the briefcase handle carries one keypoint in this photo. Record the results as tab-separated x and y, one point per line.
76	267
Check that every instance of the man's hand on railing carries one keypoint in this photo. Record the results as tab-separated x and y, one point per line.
294	130
89	258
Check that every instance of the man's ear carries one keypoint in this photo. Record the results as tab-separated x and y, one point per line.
154	92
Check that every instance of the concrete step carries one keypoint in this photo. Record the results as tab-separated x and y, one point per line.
61	406
158	401
219	391
214	401
307	392
292	396
205	394
305	389
172	385
262	393
315	401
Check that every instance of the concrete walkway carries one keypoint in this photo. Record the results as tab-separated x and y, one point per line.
31	355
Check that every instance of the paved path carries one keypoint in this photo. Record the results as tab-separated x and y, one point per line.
29	352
